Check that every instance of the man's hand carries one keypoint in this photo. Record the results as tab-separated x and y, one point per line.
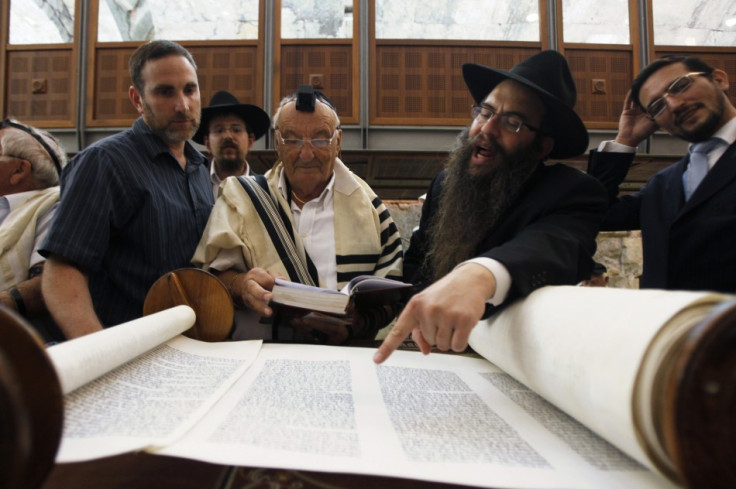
443	314
634	125
251	289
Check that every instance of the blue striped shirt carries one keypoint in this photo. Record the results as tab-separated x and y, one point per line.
129	214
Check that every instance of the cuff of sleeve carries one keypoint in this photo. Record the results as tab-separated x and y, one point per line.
503	278
614	147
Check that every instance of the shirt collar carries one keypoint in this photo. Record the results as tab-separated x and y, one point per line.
727	132
17	199
325	198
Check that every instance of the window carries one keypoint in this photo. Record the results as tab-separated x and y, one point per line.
152	19
694	23
39	22
486	20
596	22
317	19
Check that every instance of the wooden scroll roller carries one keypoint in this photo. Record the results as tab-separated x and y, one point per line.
698	403
201	291
31	406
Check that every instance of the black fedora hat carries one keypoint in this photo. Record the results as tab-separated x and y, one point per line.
225	102
548	75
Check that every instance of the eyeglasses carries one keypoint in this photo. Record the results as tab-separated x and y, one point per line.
509	122
15	125
680	85
235	130
294	143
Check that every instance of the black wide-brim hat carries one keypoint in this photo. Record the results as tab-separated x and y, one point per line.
224	102
548	75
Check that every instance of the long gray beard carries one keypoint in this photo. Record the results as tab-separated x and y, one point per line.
471	206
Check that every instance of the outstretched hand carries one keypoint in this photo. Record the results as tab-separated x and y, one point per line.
444	314
634	124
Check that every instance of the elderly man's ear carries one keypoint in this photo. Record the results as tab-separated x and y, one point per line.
22	172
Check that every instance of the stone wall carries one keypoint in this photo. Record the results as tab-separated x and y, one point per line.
619	251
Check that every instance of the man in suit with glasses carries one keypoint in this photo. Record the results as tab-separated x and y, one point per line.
686	212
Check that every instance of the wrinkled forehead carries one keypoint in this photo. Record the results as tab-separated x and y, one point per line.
294	121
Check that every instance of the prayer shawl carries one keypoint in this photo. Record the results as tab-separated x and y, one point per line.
367	241
18	235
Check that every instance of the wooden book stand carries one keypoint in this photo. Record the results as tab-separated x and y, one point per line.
201	291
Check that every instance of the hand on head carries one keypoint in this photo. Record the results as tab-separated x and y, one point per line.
634	124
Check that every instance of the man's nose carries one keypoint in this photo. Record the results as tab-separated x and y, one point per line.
491	125
182	103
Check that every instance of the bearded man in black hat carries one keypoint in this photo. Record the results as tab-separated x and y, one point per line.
498	223
228	130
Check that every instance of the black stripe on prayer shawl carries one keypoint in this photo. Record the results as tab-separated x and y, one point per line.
281	234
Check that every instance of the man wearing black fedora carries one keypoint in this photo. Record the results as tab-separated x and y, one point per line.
228	130
498	222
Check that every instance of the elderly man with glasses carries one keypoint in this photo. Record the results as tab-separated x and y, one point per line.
30	164
309	220
498	223
686	212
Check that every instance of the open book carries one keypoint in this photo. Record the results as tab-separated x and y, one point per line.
364	291
570	399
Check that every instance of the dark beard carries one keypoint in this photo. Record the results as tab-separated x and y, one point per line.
706	130
231	165
471	206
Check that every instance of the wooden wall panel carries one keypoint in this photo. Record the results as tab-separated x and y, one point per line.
41	87
110	103
232	68
423	84
602	78
335	65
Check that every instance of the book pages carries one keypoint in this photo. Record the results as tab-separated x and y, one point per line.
446	418
83	359
581	348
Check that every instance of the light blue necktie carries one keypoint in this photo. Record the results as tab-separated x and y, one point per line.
698	165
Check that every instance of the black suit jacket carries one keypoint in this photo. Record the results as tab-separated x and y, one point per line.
686	245
547	237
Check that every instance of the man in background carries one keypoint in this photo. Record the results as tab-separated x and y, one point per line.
228	130
134	204
497	223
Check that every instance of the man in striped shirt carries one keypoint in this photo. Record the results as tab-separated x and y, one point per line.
336	225
133	205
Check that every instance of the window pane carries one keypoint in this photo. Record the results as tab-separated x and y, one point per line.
482	20
41	22
596	22
694	23
316	19
144	20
